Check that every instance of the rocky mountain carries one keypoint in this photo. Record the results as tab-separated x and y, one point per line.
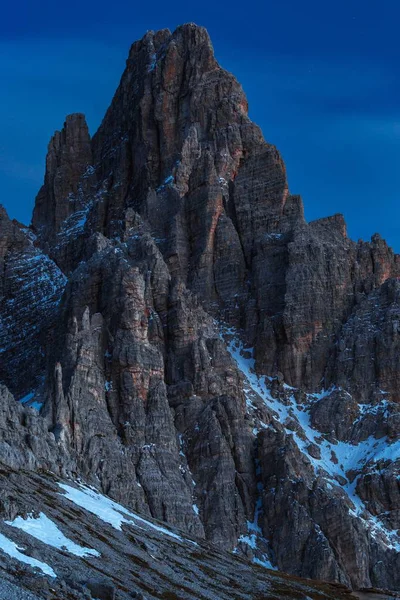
197	351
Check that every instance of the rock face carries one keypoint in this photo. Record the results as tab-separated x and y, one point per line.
31	286
207	356
62	203
68	158
25	441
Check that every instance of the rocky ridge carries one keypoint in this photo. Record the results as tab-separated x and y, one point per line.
206	356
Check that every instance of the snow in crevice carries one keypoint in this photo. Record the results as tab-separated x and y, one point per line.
254	537
29	234
74	224
29	400
349	457
274	236
386	536
90	170
167	181
184	469
181	446
44	530
368	409
153	62
108	386
254	524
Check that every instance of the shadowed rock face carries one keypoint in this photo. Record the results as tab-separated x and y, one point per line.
188	294
68	158
31	286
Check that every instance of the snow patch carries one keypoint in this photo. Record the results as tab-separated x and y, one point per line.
26	398
111	512
44	530
250	540
168	180
264	562
10	548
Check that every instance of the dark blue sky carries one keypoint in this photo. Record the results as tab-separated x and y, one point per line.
322	79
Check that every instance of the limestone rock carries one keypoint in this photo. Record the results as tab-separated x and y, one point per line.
31	286
203	353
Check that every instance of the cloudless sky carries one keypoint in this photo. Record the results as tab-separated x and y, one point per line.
322	79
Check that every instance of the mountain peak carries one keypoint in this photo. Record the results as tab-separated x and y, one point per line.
68	157
193	35
203	352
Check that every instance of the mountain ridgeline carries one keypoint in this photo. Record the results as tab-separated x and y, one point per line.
197	350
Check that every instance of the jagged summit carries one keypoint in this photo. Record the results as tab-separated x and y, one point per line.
188	36
201	352
68	157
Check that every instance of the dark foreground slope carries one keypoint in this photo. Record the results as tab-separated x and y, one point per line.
136	557
199	351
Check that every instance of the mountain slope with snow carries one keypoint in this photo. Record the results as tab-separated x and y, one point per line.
75	539
177	336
